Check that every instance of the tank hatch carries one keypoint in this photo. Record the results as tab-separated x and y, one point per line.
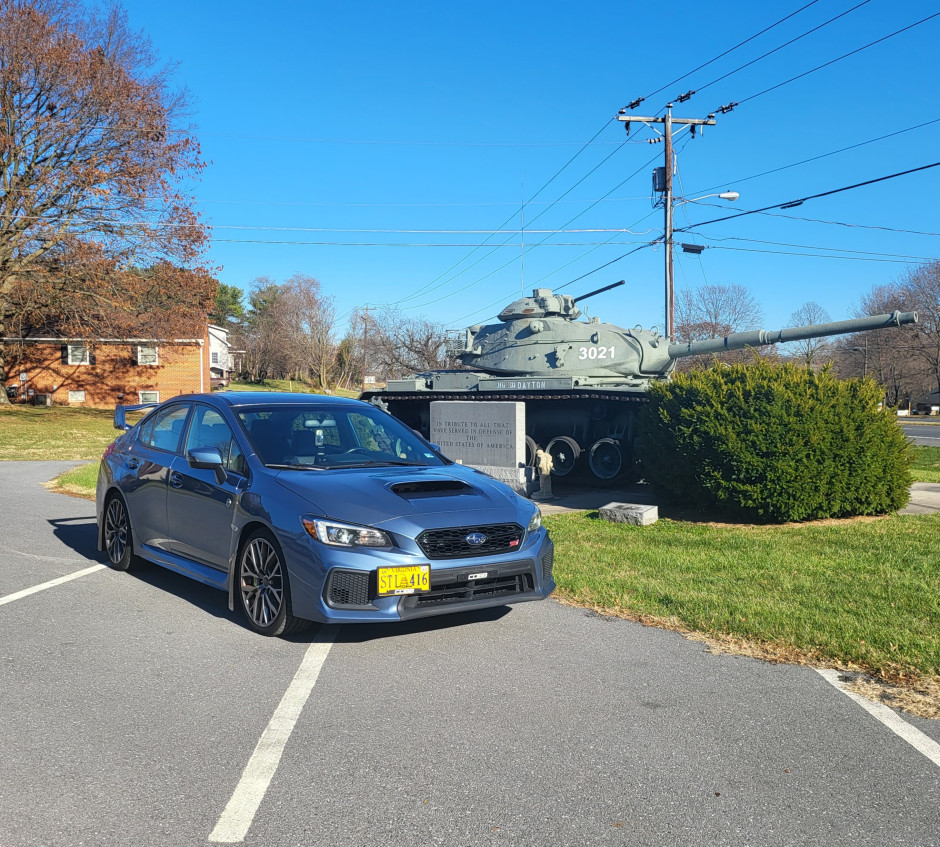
542	304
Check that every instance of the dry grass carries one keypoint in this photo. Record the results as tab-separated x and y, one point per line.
37	433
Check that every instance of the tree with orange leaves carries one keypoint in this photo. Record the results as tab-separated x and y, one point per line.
97	236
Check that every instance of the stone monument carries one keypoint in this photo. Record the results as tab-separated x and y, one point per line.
487	435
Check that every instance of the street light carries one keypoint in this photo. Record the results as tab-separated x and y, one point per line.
668	204
725	195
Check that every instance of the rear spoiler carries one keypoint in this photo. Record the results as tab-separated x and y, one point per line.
121	411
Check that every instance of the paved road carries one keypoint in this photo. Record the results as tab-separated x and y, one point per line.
132	704
924	434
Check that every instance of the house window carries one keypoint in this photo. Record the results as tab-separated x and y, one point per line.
149	396
76	397
147	355
215	358
78	354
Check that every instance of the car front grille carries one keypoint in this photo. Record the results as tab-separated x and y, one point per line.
452	543
464	592
350	588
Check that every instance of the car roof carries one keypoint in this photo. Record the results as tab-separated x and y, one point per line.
277	398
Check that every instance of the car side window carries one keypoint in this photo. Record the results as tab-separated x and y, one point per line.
209	429
164	428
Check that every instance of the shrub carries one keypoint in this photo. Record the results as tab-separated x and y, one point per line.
774	443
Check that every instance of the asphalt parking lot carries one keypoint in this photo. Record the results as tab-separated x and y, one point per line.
136	707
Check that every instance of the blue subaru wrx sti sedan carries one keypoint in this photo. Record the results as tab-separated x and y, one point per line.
311	508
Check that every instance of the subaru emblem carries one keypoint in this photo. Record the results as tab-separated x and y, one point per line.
475	539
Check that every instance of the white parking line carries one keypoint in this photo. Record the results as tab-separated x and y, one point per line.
19	595
240	812
918	740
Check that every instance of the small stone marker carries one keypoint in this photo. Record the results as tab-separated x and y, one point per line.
629	513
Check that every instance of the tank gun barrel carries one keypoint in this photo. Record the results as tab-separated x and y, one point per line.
763	337
598	291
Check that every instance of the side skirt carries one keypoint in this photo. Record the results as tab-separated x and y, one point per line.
201	573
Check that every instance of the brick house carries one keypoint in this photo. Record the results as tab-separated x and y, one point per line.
105	372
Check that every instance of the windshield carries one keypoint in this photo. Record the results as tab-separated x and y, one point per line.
323	436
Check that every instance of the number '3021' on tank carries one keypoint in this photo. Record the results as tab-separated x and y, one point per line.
580	380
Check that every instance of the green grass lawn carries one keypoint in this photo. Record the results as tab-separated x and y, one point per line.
54	432
926	464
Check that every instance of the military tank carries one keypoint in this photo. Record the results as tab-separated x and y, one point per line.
581	381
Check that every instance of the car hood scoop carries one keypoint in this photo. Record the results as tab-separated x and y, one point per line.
372	496
416	489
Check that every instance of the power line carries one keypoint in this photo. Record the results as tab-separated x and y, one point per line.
513	203
720	55
814	255
502	299
817	247
510	244
261	228
594	247
837	59
539	244
432	286
800	201
852	226
817	158
781	47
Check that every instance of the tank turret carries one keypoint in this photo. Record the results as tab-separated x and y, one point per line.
580	379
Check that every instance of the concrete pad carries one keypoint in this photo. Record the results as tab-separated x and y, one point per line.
925	499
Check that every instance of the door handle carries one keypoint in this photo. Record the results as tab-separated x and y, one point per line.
176	480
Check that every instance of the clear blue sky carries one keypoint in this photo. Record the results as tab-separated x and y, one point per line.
374	145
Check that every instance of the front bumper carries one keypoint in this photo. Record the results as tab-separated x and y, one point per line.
349	595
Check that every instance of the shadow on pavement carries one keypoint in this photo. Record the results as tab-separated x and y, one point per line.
78	534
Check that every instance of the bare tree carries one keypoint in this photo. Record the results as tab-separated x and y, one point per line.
710	311
890	357
259	333
810	350
288	331
91	160
351	351
307	317
921	289
397	345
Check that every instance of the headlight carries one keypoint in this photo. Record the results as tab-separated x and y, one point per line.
344	534
535	521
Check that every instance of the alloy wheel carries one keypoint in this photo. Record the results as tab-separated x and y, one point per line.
116	531
262	582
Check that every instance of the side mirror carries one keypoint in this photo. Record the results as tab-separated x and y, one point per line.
207	458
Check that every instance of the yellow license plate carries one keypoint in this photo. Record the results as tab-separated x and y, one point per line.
404	580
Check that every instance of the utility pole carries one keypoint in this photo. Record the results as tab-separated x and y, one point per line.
662	182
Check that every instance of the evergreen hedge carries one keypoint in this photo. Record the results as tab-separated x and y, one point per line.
774	443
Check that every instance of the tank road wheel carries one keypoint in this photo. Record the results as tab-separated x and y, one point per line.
605	458
531	448
565	453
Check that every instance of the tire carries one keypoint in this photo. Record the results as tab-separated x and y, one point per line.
118	538
565	453
531	448
262	586
605	459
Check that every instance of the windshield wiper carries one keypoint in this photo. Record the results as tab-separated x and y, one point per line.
378	463
295	467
